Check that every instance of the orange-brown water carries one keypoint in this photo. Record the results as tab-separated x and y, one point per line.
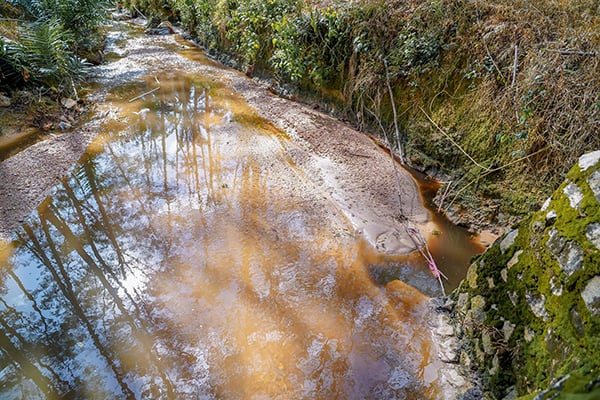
181	259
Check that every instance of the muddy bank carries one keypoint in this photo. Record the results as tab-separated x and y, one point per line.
28	177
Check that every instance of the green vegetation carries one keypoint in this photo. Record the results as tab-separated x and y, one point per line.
44	42
501	95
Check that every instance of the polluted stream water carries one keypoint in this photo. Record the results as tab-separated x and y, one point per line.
200	250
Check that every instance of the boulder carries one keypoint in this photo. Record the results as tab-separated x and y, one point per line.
541	317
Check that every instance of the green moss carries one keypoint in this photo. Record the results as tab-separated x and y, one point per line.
556	348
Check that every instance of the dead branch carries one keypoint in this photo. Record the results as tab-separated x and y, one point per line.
452	141
143	94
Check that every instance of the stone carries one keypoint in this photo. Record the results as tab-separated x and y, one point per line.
568	254
591	295
495	365
528	334
589	160
507	329
462	300
574	194
556	286
592	233
490	282
546	204
537	226
577	322
537	305
514	259
509	240
486	342
477	305
594	183
472	276
511	393
443	326
68	103
504	274
453	378
513	297
448	350
551	217
5	101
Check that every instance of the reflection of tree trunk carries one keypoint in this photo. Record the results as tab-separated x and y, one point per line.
163	141
105	220
14	334
92	243
30	298
66	287
164	245
28	368
97	271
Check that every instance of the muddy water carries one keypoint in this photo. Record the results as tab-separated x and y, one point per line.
179	261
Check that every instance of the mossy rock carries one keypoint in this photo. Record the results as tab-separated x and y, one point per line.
540	284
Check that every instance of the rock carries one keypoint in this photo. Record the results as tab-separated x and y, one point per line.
568	254
537	305
513	297
551	217
555	286
486	342
592	233
589	160
574	194
164	28
472	276
443	326
453	378
504	274
509	240
528	334
511	393
477	305
448	350
5	101
514	259
591	295
507	329
577	322
462	300
68	103
594	182
546	204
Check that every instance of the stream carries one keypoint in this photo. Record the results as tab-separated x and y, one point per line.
191	255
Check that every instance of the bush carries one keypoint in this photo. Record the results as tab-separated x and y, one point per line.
42	46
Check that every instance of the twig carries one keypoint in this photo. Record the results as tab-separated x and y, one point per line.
515	65
492	171
139	12
143	94
444	195
491	58
411	231
452	141
389	87
567	52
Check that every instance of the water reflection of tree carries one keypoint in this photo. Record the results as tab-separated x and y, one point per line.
83	245
118	225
